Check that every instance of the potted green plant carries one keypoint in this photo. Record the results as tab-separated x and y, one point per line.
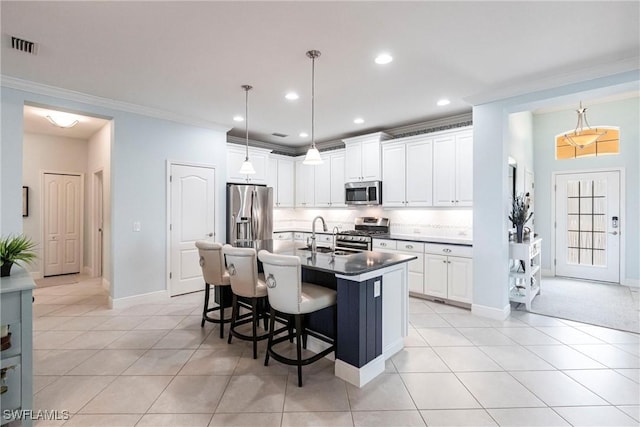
15	249
520	214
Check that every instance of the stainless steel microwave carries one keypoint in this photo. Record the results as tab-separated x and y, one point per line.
363	193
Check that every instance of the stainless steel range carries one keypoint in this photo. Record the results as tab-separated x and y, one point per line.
361	237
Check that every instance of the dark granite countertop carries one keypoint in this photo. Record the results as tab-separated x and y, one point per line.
347	265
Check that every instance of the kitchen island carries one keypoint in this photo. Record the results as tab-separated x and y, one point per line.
371	316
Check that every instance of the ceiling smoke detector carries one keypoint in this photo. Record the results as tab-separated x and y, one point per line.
23	45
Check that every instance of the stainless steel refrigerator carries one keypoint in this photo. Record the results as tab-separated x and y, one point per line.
249	213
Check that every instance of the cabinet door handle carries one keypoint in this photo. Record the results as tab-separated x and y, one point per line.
409	246
446	251
445	261
383	244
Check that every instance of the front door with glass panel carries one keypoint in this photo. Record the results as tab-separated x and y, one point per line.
588	226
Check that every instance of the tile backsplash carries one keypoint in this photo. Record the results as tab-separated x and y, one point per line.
435	222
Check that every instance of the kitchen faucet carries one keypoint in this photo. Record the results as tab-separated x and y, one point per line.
335	231
313	232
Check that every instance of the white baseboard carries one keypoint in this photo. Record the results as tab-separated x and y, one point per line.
35	275
88	271
546	272
392	348
491	312
632	283
359	376
151	297
316	345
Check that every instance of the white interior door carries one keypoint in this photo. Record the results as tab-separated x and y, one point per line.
587	226
192	217
62	223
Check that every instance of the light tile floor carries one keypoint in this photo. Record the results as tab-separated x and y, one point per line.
152	365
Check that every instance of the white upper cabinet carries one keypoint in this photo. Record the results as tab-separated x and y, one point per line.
281	178
259	157
453	169
329	180
362	157
304	184
407	172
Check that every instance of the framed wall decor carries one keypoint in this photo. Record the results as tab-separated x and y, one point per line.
25	201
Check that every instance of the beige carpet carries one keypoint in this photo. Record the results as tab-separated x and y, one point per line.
609	305
66	279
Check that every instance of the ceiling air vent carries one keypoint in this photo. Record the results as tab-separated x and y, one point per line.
281	135
24	45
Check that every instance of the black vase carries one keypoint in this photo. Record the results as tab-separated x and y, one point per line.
5	269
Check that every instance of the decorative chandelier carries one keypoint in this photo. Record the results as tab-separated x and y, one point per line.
313	155
247	167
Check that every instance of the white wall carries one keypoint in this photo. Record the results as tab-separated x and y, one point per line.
99	159
141	147
51	154
623	113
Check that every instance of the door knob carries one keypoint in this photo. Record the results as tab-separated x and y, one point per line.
209	235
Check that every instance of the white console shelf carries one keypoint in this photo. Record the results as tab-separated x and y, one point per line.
524	273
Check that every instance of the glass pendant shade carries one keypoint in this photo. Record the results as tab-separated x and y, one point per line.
247	167
312	157
62	120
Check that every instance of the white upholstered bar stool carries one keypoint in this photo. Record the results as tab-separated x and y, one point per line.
246	284
290	296
215	274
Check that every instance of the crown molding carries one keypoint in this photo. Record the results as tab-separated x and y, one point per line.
70	95
275	148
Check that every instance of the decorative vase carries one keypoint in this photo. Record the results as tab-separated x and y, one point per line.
519	233
5	269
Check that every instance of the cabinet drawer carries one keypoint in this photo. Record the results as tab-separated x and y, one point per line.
384	244
324	238
298	235
452	250
410	246
281	236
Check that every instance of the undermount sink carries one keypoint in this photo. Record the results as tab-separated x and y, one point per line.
326	250
321	249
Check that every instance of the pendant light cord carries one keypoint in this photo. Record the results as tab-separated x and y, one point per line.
313	96
246	120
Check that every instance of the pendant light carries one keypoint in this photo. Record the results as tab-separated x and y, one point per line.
247	167
581	136
313	155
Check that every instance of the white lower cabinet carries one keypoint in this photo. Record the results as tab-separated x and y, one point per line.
283	235
440	270
449	272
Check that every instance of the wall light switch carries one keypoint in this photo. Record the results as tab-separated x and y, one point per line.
376	289
136	226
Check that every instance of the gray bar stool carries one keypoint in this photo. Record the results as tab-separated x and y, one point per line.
290	296
246	284
215	274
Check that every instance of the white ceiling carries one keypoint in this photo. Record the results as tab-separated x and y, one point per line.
190	58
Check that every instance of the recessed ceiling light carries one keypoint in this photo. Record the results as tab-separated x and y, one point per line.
358	120
383	58
238	119
303	134
291	96
442	102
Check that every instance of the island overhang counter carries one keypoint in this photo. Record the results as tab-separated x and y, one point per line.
371	316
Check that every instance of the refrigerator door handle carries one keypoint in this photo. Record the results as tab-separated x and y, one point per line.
254	216
233	236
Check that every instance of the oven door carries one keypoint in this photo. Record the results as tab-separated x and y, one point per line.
362	193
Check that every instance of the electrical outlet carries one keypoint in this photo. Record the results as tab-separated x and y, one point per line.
136	226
